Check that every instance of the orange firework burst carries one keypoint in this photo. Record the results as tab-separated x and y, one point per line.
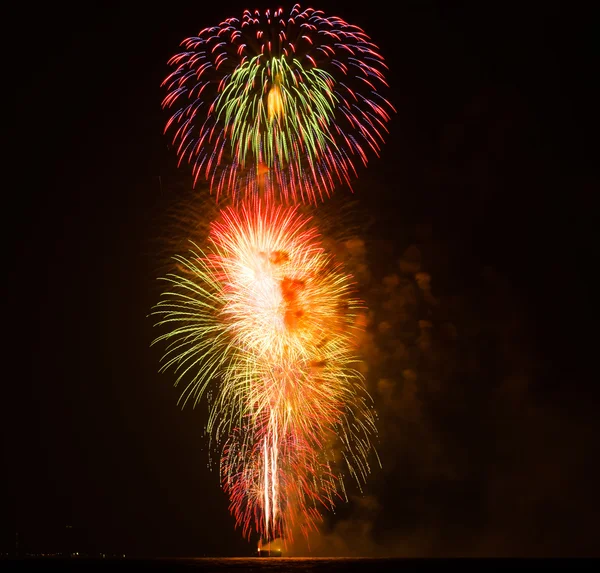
269	316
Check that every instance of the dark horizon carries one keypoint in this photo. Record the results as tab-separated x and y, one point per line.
482	376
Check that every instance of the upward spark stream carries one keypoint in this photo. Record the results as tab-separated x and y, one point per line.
267	320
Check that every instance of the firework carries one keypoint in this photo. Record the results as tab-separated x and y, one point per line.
267	320
278	105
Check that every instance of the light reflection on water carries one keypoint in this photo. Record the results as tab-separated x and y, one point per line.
287	565
218	565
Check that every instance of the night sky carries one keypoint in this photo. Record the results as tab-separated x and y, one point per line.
481	367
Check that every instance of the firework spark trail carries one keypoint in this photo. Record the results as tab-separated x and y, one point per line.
270	317
273	109
286	103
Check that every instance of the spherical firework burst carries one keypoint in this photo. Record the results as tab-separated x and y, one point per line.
269	318
278	104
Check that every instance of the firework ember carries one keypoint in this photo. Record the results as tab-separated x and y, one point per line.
282	104
267	319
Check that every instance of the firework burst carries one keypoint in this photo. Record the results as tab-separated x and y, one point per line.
278	104
267	319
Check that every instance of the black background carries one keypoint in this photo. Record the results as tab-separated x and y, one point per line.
492	146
